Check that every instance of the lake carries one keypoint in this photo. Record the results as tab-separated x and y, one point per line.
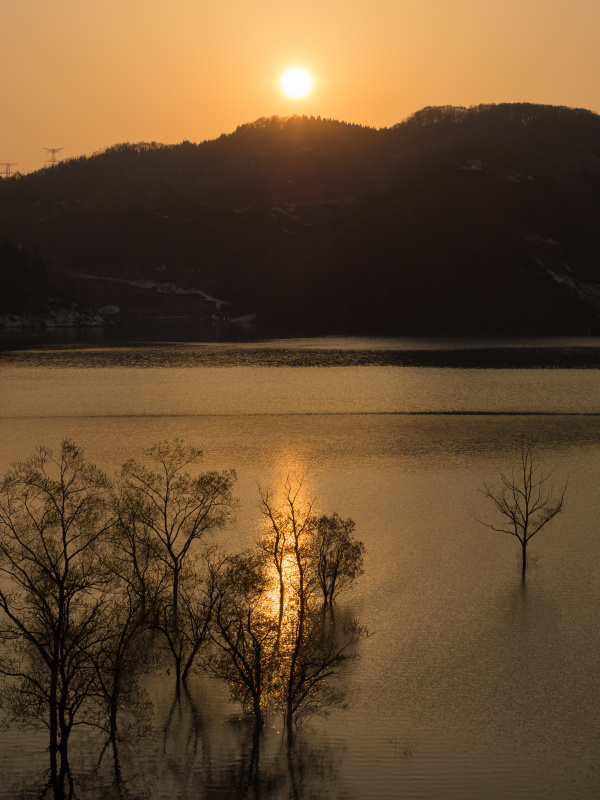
471	685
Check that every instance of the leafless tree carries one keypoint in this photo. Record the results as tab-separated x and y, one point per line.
274	644
119	704
311	650
54	523
245	631
338	557
173	512
287	522
134	559
199	593
525	500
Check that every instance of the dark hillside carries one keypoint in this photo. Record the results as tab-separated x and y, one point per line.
480	220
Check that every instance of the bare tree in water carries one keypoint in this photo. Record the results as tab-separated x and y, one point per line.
337	556
525	501
54	522
173	512
280	651
289	523
245	632
313	649
120	705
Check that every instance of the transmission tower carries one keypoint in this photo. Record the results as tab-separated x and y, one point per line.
7	165
53	152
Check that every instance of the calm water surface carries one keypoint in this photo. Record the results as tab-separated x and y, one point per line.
471	686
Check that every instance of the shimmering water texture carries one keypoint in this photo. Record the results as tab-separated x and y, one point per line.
472	685
325	352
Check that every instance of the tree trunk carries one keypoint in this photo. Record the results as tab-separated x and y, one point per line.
176	598
63	749
289	720
53	762
188	664
524	567
112	722
65	725
53	722
281	602
176	632
254	764
258	715
58	781
118	782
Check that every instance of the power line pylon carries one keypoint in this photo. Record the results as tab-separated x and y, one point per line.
7	165
53	152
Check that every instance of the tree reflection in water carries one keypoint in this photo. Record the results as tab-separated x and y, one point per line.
237	760
196	753
274	638
112	772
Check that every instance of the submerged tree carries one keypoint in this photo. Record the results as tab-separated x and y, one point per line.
172	512
199	592
312	676
338	557
54	524
245	631
525	501
120	706
312	649
133	559
93	574
289	523
279	649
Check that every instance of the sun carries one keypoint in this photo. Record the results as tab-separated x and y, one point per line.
296	82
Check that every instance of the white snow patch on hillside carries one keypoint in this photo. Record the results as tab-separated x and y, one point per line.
474	164
287	213
164	288
56	316
590	292
244	319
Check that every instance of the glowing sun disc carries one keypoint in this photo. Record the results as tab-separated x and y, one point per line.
296	82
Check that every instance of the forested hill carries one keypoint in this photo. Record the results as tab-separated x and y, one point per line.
479	220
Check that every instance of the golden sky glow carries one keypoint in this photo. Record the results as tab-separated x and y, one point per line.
85	75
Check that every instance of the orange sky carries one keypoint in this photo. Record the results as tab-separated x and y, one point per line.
85	74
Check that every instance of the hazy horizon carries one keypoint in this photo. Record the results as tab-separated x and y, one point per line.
46	159
82	77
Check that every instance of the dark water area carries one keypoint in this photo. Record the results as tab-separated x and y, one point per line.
472	685
163	356
156	347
